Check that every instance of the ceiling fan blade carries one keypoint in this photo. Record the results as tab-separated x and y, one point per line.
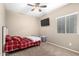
37	3
44	6
30	4
40	10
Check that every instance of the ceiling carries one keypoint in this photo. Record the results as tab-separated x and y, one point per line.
23	8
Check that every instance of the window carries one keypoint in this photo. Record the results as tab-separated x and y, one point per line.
67	23
61	25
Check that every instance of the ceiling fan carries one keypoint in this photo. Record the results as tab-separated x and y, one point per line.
37	6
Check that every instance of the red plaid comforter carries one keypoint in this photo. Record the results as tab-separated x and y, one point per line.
15	42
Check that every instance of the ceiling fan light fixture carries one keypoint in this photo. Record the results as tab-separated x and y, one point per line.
33	9
40	10
37	6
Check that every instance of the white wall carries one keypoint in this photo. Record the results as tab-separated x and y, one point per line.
2	17
20	24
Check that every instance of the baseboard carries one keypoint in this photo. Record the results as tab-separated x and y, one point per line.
64	47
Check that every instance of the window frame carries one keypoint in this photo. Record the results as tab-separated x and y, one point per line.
74	13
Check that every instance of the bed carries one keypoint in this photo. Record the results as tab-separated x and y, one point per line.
17	42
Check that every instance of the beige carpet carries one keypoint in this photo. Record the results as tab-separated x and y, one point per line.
44	49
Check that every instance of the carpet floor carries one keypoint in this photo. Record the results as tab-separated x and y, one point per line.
44	49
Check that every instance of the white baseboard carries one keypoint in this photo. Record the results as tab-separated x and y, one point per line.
64	47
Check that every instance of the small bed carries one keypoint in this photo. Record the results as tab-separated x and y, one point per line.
17	42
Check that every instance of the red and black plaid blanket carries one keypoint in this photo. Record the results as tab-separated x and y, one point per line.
16	42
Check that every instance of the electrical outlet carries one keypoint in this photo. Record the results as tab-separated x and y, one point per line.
70	43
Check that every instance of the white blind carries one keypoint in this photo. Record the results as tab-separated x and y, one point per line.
61	25
67	24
